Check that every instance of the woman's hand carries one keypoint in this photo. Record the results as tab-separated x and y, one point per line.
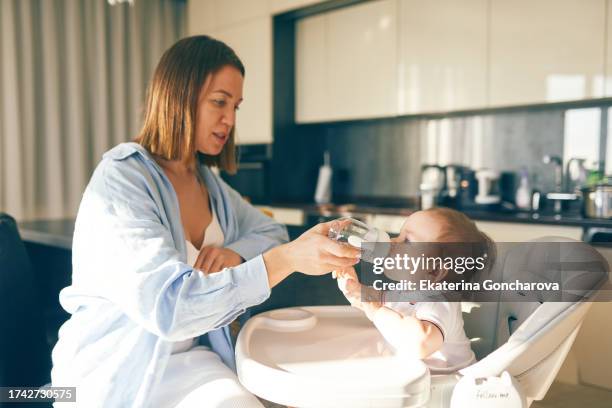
212	259
313	253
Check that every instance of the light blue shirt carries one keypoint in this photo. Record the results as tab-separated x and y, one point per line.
133	293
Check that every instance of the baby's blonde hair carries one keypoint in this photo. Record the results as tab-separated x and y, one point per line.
457	227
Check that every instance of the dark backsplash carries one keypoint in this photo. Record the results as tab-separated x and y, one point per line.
382	158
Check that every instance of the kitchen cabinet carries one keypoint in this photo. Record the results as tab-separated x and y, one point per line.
385	58
204	15
246	26
284	215
608	73
362	57
546	51
443	55
589	359
200	16
591	351
354	50
282	6
252	41
311	89
447	56
514	232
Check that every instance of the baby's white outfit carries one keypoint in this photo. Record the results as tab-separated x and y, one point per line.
455	353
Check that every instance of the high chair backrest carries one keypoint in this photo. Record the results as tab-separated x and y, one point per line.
530	340
490	324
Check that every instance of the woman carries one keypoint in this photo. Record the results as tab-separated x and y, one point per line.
165	252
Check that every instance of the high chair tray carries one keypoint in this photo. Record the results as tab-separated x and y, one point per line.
326	356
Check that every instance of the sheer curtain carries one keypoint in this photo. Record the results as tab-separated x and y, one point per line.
73	74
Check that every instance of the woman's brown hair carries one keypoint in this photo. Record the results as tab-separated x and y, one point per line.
172	101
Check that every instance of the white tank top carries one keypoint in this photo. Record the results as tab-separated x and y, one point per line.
212	236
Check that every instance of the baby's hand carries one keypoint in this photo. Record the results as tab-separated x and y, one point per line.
362	297
346	273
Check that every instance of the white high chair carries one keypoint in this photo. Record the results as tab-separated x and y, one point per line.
332	356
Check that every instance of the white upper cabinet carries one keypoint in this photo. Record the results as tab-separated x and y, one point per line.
311	89
206	15
282	6
443	55
608	74
246	26
252	42
362	55
385	58
200	16
347	63
546	50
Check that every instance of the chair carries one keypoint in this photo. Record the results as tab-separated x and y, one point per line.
24	352
529	339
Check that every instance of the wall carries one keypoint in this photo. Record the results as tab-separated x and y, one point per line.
382	158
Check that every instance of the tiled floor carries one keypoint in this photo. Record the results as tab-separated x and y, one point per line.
559	396
563	395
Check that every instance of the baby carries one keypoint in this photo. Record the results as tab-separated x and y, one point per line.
432	331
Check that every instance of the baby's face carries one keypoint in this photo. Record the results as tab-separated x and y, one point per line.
422	226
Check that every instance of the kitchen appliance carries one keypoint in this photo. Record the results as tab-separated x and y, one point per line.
536	198
575	174
508	184
323	191
488	187
453	176
468	188
433	183
598	200
523	197
252	180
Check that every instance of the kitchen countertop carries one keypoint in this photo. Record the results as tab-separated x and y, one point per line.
56	233
355	210
571	219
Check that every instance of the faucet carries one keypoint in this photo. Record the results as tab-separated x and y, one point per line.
572	182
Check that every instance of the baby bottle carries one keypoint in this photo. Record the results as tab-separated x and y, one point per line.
355	233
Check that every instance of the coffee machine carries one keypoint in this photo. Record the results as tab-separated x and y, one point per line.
433	183
488	187
455	174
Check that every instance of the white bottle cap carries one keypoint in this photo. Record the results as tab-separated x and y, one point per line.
355	241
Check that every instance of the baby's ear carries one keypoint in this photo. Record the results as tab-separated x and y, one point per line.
438	275
403	233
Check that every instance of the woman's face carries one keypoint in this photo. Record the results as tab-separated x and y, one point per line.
217	105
